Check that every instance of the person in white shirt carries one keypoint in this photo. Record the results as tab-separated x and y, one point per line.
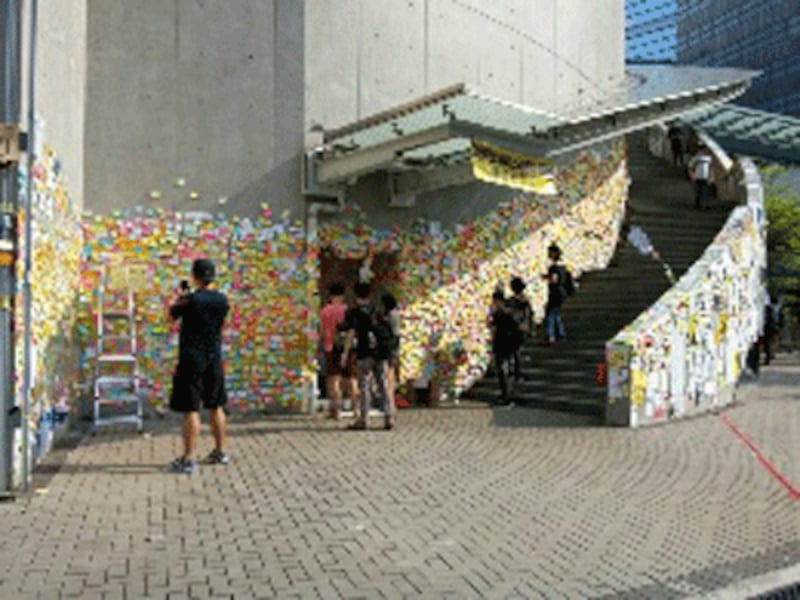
700	171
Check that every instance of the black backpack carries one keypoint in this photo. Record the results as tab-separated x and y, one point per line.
386	341
568	282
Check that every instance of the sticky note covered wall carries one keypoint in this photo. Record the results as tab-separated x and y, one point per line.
270	273
262	266
446	277
55	264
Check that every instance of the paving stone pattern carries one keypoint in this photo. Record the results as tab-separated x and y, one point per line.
449	505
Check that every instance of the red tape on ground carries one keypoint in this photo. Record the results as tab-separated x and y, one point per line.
794	493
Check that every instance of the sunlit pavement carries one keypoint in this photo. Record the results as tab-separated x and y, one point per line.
447	505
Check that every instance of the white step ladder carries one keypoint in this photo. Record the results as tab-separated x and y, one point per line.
116	381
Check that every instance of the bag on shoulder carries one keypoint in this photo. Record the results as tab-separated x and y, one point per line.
569	282
385	340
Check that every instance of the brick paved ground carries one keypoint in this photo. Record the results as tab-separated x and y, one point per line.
448	505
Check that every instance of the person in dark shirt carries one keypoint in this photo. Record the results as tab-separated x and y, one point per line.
199	376
371	363
556	295
506	338
675	136
520	308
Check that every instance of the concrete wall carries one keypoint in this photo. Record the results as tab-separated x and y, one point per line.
219	94
60	84
206	91
363	56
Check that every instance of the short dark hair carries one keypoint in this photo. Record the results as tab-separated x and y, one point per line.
203	270
337	289
517	285
554	250
389	302
499	296
361	290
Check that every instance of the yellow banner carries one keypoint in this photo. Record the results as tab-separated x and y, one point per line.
510	169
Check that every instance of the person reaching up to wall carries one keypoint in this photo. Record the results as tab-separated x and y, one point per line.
360	325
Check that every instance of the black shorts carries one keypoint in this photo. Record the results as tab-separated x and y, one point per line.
197	383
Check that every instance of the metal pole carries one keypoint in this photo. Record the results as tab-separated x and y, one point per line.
10	16
26	285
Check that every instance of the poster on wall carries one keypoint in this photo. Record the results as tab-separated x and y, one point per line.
511	169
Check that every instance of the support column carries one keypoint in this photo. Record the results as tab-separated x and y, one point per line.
10	65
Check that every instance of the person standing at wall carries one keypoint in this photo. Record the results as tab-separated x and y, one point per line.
360	327
700	170
199	378
559	286
331	319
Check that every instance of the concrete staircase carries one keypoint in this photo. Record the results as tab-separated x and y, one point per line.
562	377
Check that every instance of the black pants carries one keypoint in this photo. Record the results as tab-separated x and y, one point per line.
702	190
754	358
502	363
198	382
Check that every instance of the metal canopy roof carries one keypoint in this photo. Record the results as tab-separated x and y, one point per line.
437	129
753	132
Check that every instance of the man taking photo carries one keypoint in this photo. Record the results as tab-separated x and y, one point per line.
199	378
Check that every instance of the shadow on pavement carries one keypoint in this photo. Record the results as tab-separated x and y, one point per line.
520	416
46	471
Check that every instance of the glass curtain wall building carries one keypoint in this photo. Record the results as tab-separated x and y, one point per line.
751	34
651	31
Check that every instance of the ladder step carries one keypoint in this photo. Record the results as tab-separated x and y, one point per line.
115	380
116	358
118	420
115	336
118	400
117	314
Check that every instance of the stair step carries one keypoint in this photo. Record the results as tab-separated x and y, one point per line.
561	378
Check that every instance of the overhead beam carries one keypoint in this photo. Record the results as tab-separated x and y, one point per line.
417	182
571	137
343	167
359	162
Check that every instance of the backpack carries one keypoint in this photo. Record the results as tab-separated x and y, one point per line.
508	334
386	341
569	283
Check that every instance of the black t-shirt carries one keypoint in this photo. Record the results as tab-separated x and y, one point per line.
520	308
556	293
507	335
202	314
359	319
